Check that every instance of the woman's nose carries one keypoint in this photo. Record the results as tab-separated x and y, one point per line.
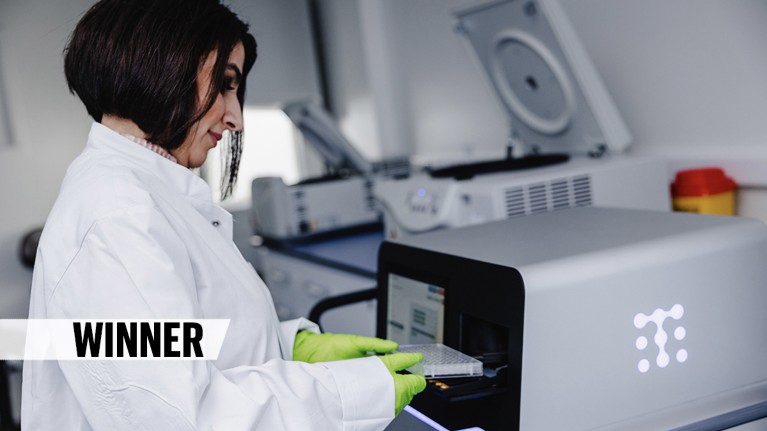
232	114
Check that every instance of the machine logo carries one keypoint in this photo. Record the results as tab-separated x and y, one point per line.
658	317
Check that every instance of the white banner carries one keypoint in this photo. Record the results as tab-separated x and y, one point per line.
112	339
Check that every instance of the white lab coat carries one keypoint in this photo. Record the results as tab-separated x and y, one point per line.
134	235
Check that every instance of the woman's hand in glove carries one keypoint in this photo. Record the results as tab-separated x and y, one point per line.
311	347
406	386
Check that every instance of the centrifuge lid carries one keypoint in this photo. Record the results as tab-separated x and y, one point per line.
546	81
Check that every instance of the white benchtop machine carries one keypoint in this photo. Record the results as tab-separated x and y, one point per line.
588	319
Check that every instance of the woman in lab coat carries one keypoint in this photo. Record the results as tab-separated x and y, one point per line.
134	235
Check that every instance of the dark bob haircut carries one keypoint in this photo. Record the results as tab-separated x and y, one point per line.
139	60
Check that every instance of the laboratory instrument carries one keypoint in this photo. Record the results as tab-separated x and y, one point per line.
567	142
587	318
341	199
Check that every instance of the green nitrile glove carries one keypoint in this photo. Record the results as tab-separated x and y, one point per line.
311	347
406	386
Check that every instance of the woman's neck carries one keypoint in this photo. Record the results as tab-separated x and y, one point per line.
123	126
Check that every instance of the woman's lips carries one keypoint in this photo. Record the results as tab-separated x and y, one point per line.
216	137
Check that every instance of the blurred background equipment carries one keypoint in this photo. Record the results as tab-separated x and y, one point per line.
566	142
704	191
338	200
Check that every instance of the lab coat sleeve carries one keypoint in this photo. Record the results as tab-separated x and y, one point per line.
291	327
134	265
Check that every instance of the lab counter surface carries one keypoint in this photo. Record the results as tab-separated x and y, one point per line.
302	273
355	252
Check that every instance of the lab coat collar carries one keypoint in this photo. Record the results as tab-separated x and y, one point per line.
178	178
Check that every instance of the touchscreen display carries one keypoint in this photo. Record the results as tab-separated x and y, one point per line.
416	311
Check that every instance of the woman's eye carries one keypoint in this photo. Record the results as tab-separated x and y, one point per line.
228	84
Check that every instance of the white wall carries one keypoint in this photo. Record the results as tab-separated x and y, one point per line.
48	128
5	126
429	87
688	77
352	99
286	68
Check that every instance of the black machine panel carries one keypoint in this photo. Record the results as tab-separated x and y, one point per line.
482	317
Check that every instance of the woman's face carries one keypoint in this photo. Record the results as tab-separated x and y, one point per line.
224	114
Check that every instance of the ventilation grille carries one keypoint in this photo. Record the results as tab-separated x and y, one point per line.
546	196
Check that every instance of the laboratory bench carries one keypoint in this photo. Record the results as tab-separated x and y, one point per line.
304	273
